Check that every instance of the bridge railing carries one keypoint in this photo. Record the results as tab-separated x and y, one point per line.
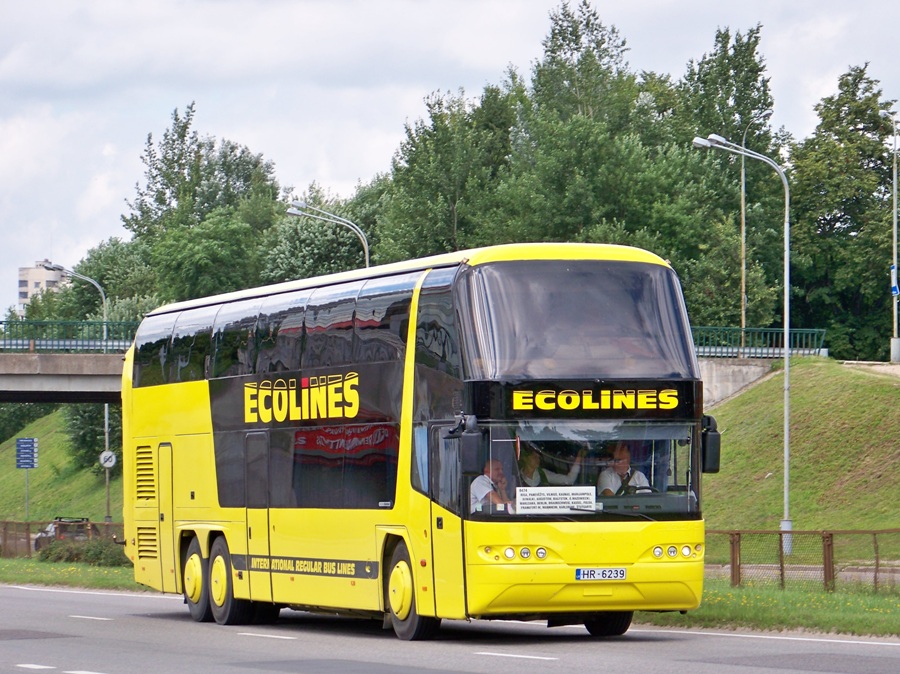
66	336
713	342
88	336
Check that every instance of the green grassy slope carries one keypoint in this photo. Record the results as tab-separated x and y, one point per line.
55	487
844	458
845	431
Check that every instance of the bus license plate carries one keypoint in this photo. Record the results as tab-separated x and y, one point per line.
599	574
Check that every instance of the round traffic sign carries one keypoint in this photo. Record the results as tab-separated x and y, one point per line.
107	459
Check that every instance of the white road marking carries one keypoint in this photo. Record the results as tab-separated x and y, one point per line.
855	642
266	636
88	617
26	666
510	655
138	594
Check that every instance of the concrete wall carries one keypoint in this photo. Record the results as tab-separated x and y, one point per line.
724	377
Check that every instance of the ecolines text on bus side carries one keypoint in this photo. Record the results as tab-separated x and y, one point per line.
611	399
333	396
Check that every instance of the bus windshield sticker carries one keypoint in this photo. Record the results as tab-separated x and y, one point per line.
555	499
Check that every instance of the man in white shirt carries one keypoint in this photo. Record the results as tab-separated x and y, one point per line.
488	490
618	478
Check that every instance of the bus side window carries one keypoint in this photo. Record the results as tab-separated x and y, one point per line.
382	319
280	332
191	342
445	471
152	350
329	326
234	339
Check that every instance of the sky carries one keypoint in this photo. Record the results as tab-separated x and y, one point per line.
323	88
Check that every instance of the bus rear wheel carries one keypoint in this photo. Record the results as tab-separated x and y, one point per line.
225	608
195	582
609	624
400	595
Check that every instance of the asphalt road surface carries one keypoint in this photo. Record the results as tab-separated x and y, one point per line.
90	632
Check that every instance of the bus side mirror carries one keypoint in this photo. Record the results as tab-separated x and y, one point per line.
470	453
710	445
470	447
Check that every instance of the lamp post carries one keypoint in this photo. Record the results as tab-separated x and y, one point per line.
75	274
301	208
895	342
718	143
755	118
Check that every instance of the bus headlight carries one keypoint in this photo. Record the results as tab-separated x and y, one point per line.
657	552
686	550
540	553
525	553
672	551
509	553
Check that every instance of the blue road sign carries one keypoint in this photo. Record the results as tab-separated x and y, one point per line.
26	453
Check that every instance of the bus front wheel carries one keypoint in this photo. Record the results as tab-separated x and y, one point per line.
225	608
609	624
195	581
401	599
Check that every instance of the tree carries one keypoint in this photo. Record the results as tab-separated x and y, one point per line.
583	70
302	247
85	429
841	191
217	255
438	175
189	177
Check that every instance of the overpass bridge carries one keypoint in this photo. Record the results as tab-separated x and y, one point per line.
63	361
66	361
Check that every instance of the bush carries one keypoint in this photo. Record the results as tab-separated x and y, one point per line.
96	552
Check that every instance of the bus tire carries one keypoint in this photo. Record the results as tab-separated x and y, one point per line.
225	608
609	623
195	582
400	597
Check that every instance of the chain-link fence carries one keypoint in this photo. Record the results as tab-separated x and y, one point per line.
828	560
24	539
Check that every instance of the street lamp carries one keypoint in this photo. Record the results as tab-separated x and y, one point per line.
718	143
68	272
895	342
300	208
755	118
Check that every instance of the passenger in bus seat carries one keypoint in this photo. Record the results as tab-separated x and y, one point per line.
535	476
489	489
618	477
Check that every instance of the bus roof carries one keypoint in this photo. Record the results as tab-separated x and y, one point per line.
472	257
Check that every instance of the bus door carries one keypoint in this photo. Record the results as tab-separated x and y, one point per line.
257	476
446	524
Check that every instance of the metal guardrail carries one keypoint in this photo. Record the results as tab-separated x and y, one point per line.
66	336
713	342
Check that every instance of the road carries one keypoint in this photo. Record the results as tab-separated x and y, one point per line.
89	632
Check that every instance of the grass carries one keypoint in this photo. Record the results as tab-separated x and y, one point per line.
844	426
766	607
71	574
56	486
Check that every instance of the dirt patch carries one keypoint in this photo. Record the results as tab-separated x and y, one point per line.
892	369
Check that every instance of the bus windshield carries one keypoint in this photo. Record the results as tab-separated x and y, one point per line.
557	319
611	469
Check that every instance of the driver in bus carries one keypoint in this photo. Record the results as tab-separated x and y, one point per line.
618	477
489	489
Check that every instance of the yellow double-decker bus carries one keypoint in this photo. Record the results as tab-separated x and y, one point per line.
432	439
